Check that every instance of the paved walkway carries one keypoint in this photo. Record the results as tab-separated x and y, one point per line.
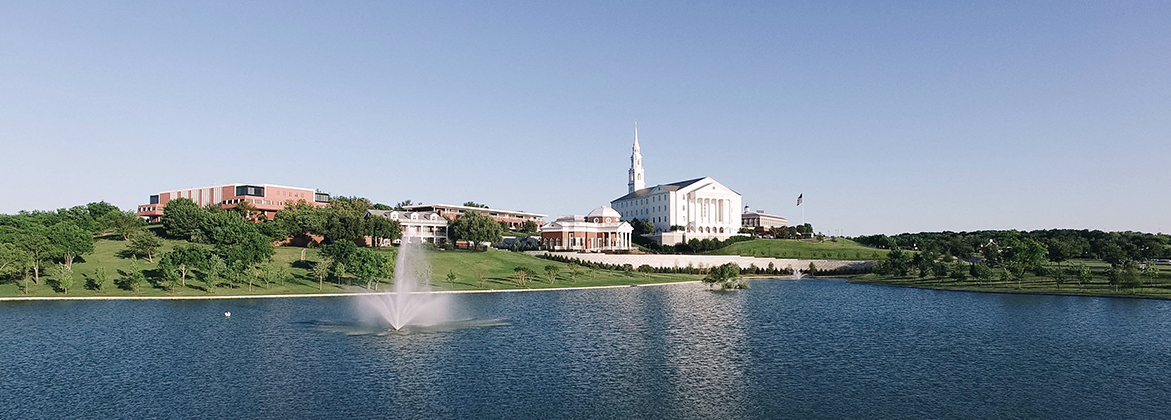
698	261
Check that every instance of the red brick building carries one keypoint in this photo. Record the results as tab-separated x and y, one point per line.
601	230
267	198
514	219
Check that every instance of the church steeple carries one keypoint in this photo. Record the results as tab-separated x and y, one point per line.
636	180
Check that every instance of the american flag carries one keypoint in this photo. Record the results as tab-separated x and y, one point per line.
799	198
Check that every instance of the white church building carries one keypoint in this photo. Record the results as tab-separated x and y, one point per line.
698	208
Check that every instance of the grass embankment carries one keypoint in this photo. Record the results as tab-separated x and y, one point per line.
1098	285
495	265
836	249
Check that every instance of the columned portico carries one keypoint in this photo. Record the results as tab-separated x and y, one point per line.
699	208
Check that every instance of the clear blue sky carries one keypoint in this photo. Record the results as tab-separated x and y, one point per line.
889	117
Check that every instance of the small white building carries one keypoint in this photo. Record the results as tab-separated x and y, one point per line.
601	230
418	226
699	208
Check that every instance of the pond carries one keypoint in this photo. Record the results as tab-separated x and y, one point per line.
804	349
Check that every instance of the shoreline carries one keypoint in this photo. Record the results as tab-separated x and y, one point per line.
1013	292
321	295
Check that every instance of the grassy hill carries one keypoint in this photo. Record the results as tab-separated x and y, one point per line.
838	249
495	265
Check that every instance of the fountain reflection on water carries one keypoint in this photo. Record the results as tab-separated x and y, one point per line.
412	303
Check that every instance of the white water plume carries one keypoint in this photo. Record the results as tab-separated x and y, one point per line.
412	302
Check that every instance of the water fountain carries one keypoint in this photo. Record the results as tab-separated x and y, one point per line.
797	274
412	302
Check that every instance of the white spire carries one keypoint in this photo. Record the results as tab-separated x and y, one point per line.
635	180
636	135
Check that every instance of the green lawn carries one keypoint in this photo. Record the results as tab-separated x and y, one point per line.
496	266
839	249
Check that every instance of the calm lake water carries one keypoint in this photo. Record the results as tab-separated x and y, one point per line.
784	349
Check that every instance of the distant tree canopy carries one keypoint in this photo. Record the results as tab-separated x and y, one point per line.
477	229
1017	252
792	232
342	220
1060	244
402	205
475	204
642	227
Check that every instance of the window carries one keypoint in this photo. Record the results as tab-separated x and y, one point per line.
250	190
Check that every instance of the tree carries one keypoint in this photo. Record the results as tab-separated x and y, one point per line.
340	252
71	241
241	243
551	273
575	270
1083	274
381	228
402	205
13	259
64	274
182	218
522	274
321	271
217	268
99	280
368	266
981	271
36	245
959	270
1151	270
1059	275
146	243
79	216
352	205
301	218
124	224
184	259
339	271
530	227
451	278
247	211
343	226
642	227
727	276
100	209
133	278
272	273
477	229
170	274
897	263
475	204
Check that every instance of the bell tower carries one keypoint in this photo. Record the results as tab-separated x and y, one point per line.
636	180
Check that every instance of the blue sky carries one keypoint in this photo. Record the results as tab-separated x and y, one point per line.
890	117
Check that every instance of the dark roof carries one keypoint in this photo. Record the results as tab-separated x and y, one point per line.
666	187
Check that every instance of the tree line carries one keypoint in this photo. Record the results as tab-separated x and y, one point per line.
1010	255
31	242
693	246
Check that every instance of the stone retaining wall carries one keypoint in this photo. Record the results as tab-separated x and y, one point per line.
698	261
